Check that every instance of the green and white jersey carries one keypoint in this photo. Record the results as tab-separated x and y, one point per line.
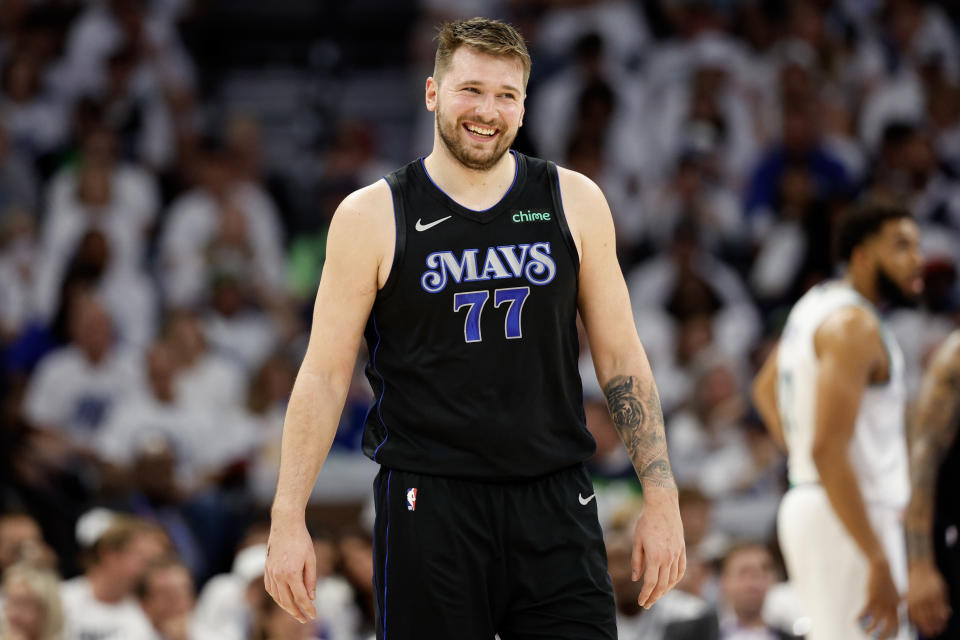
878	449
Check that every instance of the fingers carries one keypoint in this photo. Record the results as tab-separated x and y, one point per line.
310	577
291	595
682	564
879	622
651	577
636	561
302	599
289	602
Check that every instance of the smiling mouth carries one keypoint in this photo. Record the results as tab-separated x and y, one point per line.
481	132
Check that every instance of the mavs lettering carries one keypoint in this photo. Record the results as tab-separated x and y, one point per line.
530	261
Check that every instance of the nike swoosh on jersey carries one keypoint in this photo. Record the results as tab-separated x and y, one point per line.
423	227
586	501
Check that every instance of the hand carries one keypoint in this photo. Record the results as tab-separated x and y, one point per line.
290	576
927	599
659	553
879	617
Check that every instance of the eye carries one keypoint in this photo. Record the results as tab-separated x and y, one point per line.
508	96
471	89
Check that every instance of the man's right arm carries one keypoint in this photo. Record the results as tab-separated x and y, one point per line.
360	233
848	347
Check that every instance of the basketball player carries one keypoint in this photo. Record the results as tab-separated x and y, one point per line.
933	514
465	271
833	393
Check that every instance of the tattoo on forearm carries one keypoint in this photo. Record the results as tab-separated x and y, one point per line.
933	433
639	421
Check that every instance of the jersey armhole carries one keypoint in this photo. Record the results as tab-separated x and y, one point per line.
401	235
562	216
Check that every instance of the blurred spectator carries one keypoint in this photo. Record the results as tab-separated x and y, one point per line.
907	170
712	449
132	187
356	560
203	380
684	302
105	27
33	121
747	575
128	294
273	623
18	180
21	540
168	598
621	24
267	403
801	150
228	602
157	420
693	194
100	603
222	218
31	604
236	328
71	395
915	34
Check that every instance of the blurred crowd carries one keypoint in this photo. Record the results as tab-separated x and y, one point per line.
160	245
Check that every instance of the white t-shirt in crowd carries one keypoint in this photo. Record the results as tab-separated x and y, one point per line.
86	618
69	393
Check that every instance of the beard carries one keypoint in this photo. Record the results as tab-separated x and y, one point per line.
892	294
471	158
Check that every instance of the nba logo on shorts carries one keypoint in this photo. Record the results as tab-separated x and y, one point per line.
412	499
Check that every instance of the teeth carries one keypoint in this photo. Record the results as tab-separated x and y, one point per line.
481	130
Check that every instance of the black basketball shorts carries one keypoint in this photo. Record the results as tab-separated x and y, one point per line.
464	560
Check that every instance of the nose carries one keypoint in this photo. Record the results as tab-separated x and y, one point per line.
486	107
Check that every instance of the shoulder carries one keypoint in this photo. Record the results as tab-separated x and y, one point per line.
372	200
851	331
585	210
947	356
363	216
578	190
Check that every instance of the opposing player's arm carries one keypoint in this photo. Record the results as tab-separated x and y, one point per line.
348	287
627	381
849	349
764	394
934	430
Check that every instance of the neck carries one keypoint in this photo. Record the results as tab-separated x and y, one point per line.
751	622
457	180
863	283
104	589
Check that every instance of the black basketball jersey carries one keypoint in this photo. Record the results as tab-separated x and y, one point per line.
473	340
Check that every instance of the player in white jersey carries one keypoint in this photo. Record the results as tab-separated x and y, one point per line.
832	393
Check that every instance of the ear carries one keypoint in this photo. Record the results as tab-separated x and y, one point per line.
430	94
523	110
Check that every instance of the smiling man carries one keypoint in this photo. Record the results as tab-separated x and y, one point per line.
833	394
465	271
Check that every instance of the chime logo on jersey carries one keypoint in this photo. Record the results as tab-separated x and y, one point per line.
532	262
412	499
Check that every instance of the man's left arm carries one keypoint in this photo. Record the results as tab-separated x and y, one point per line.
627	381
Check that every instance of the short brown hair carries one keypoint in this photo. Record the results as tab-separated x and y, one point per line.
118	536
488	36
